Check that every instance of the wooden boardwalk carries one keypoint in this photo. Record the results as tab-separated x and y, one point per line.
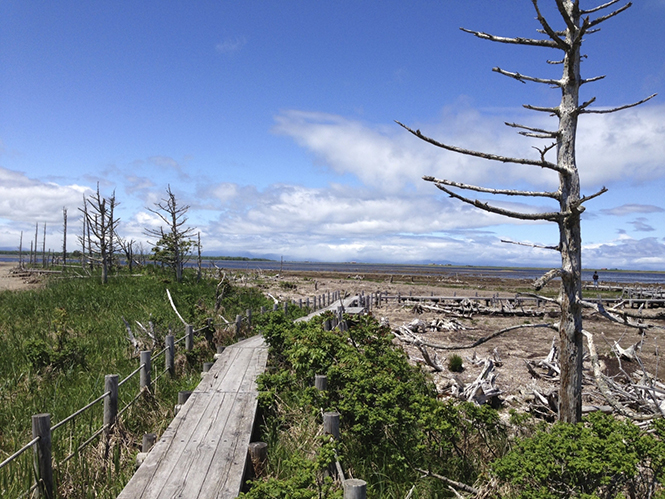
202	453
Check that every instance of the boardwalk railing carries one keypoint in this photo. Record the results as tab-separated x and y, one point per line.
42	430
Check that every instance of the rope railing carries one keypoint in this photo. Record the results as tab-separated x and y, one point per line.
44	480
80	411
19	452
131	375
83	445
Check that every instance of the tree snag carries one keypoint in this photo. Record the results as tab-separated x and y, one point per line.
576	24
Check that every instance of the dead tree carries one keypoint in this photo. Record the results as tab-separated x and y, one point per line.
64	237
567	39
173	245
101	226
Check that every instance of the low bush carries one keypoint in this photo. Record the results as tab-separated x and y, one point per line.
392	423
600	458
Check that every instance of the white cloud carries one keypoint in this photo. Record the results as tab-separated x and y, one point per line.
628	144
23	199
631	208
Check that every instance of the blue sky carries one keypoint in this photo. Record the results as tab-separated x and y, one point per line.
274	122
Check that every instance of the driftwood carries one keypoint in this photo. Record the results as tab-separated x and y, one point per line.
403	334
175	309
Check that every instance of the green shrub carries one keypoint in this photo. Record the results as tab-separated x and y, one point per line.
391	421
455	363
601	457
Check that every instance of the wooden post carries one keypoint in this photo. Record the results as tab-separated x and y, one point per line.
170	354
41	427
189	338
263	310
275	307
321	382
286	307
355	489
300	303
144	374
331	424
238	325
182	398
327	325
258	453
110	401
149	440
307	302
248	313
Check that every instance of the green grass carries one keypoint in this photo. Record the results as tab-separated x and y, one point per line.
58	343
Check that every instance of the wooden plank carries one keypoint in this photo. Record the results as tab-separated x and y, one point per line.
202	453
169	445
184	480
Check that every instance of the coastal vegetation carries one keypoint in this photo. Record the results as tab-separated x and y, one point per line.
404	441
59	341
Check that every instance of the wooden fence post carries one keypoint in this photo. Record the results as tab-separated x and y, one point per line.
110	401
286	307
189	338
182	398
144	374
331	424
321	382
263	310
238	325
258	453
41	427
248	313
355	489
169	357
275	307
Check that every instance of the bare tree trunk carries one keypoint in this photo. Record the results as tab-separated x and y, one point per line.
570	245
20	251
198	275
33	253
64	238
44	262
569	42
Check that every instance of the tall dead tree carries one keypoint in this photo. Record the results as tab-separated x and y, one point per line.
64	237
101	225
567	39
173	245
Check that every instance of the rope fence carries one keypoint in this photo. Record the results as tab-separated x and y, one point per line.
42	429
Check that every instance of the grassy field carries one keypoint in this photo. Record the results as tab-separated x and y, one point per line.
56	345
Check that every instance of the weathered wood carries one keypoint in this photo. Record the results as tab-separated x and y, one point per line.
355	489
41	427
110	401
169	355
321	382
144	374
258	453
148	441
203	453
189	338
331	424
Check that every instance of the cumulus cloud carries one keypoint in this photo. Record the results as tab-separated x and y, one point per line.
627	252
388	157
628	145
23	199
610	147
